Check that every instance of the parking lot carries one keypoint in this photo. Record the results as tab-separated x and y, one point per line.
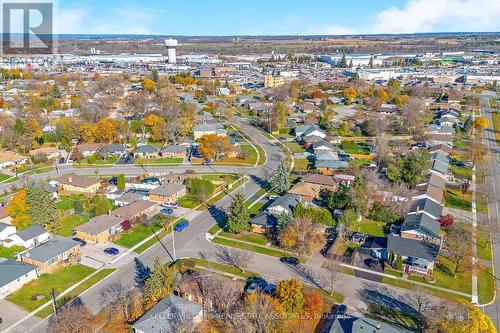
93	255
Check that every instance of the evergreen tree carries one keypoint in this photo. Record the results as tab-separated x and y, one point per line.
102	205
350	63
120	181
343	62
43	209
279	181
283	220
159	283
239	219
142	272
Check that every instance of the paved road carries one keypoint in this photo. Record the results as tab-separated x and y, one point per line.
191	242
493	190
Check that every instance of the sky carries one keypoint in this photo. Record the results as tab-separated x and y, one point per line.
275	17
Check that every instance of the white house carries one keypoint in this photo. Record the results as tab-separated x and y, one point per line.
308	130
28	238
4	216
14	275
5	231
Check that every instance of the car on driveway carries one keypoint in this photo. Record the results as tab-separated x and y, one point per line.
256	284
207	162
270	289
181	226
372	263
340	310
170	205
290	261
167	211
79	240
111	251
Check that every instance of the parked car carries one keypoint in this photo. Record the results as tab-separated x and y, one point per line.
290	261
79	240
181	226
270	289
340	310
256	284
111	250
273	197
167	211
170	205
151	180
372	263
207	162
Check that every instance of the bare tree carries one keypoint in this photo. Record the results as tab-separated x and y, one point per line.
72	319
118	300
329	276
413	115
422	305
457	242
235	257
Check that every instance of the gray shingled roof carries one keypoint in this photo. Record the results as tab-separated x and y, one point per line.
167	189
3	226
174	149
331	164
423	223
50	249
98	224
12	270
429	206
31	232
349	324
265	220
287	201
166	316
412	248
146	149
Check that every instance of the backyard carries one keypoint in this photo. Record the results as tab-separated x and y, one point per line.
369	227
10	252
69	223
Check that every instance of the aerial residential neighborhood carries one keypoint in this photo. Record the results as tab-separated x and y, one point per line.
165	171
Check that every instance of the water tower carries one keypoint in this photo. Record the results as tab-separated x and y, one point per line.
171	44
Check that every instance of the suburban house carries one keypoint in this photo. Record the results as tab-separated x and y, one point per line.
439	163
326	182
322	146
206	129
263	223
49	256
174	151
31	236
427	206
4	216
328	162
307	130
171	314
129	197
351	324
283	204
145	151
9	159
307	191
88	149
421	227
102	229
429	191
418	257
47	152
112	149
5	231
343	179
14	275
136	209
167	193
73	183
445	149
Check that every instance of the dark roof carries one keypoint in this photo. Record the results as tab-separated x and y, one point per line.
322	143
112	148
167	315
12	270
77	180
133	209
265	220
320	179
4	226
429	206
423	223
412	248
31	232
350	324
287	201
50	249
375	243
174	149
146	149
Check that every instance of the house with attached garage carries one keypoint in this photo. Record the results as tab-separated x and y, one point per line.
263	223
14	275
351	324
73	183
418	257
427	206
167	193
102	229
112	149
308	130
283	204
174	151
146	151
31	236
322	147
9	159
136	209
54	253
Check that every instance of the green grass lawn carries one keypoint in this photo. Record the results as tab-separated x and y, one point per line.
485	285
188	201
369	227
146	161
262	155
70	222
302	164
68	201
483	245
494	103
135	235
295	147
77	291
352	147
496	125
4	177
254	248
251	156
96	161
250	237
461	172
59	280
481	203
10	252
454	198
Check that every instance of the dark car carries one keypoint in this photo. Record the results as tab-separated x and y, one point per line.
167	211
290	261
340	310
79	240
111	250
270	289
151	180
181	226
113	180
207	162
372	263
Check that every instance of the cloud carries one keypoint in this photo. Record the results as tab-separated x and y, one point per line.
426	16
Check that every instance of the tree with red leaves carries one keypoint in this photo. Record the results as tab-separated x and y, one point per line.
446	221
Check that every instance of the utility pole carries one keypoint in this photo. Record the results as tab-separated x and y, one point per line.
54	306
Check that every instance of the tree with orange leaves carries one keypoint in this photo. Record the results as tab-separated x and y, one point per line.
19	210
214	146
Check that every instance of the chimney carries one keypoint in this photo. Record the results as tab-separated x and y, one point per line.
70	179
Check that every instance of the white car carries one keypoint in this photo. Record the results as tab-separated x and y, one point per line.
170	204
273	197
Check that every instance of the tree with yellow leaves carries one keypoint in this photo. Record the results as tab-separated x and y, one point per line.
265	311
350	93
382	94
481	123
86	133
19	210
214	146
148	85
290	294
105	130
461	317
152	119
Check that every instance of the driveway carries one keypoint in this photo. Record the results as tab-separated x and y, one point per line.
10	313
361	259
93	255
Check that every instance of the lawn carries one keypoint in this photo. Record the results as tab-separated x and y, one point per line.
461	172
369	227
454	198
262	155
302	164
188	201
345	248
69	223
352	147
10	252
250	237
96	161
77	291
253	248
166	160
59	280
295	147
251	156
483	245
494	103
496	125
68	201
435	292
135	235
485	285
4	177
